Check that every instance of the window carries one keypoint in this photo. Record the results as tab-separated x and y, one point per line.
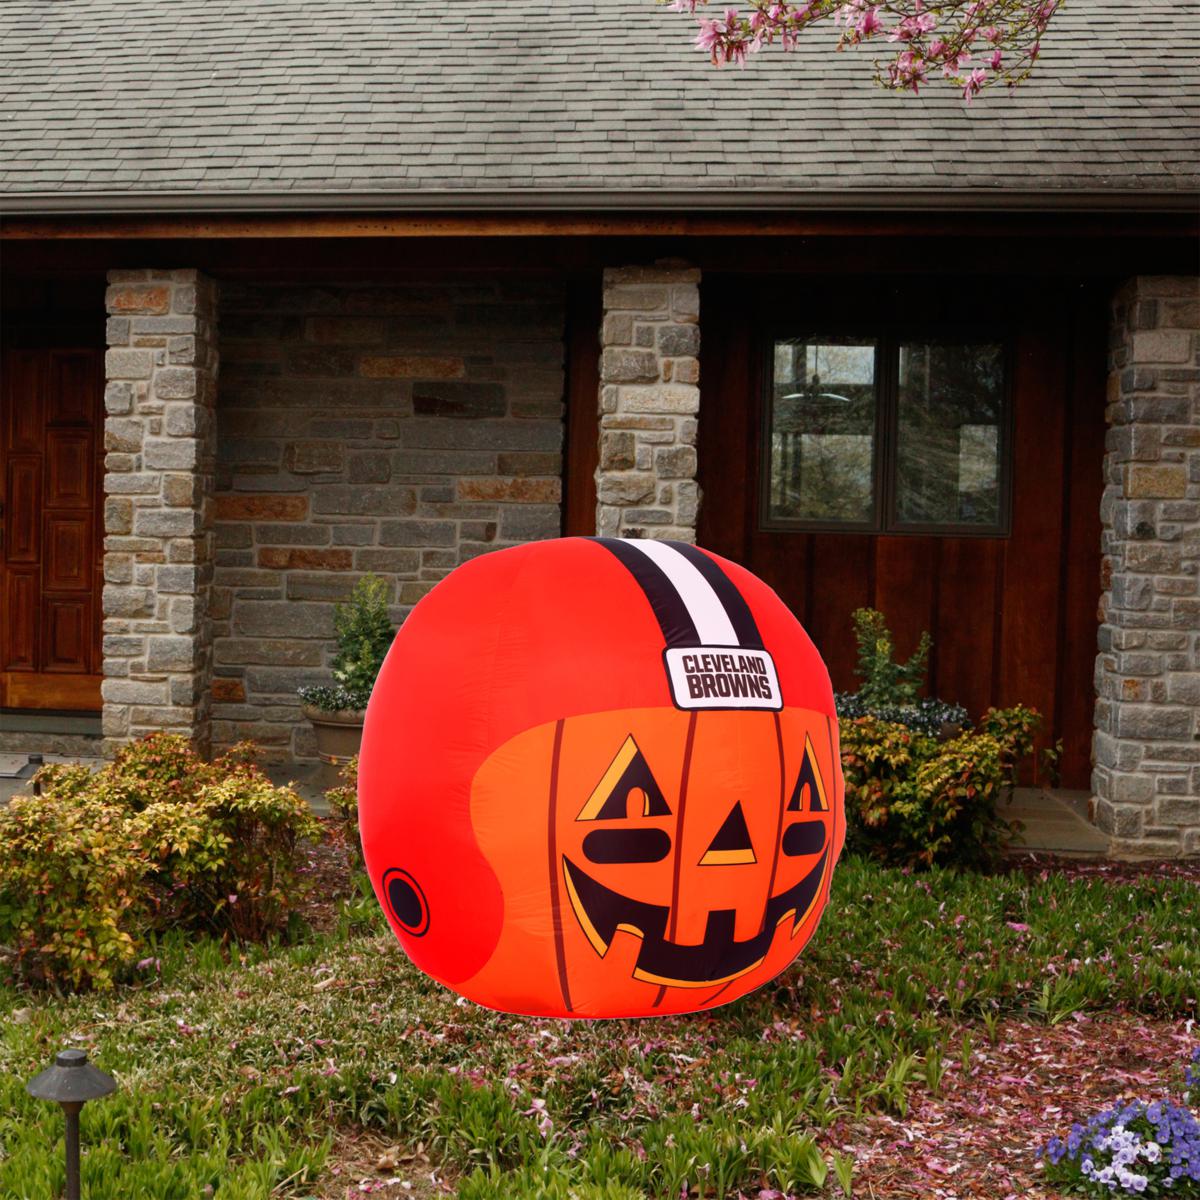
887	435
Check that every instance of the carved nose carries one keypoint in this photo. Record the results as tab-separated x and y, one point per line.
732	845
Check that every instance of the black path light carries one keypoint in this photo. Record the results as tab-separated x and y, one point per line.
71	1082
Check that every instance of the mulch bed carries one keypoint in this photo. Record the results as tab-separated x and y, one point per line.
981	1137
1108	870
325	867
369	1164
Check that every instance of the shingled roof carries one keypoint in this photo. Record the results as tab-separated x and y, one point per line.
308	103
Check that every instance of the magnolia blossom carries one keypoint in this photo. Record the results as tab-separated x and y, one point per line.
929	35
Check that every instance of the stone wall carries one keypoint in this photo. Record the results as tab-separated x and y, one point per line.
1147	752
161	372
398	430
649	401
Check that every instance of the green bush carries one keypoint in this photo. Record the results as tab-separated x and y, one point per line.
343	804
364	635
71	889
885	681
913	800
155	840
889	689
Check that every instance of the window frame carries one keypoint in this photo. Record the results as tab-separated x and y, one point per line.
888	338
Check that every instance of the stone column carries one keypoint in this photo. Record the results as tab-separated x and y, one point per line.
649	400
160	441
1146	747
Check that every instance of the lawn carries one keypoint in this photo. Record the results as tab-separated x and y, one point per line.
935	1032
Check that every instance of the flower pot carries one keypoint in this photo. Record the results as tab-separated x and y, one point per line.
339	734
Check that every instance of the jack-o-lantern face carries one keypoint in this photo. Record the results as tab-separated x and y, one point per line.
602	779
684	853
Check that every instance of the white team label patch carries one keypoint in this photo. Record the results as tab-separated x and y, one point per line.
722	677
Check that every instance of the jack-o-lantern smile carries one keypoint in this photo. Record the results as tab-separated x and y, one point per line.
627	795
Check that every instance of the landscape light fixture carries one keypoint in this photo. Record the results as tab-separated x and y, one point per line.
71	1082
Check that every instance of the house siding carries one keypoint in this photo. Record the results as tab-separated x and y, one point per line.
399	430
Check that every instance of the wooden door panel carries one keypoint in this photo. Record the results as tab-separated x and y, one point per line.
1030	627
1085	453
24	379
51	555
67	552
905	587
840	579
69	469
70	399
46	690
965	629
20	640
66	636
23	510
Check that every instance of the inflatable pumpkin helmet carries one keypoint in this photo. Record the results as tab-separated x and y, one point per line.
600	778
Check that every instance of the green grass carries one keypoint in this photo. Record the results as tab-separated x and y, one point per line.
235	1075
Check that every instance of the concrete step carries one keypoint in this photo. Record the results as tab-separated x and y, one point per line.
1054	822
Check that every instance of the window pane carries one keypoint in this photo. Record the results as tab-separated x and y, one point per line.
951	402
822	435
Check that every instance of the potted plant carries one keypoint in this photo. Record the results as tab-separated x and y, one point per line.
364	633
890	689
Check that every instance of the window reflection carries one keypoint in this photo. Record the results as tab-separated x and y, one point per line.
822	433
950	400
937	405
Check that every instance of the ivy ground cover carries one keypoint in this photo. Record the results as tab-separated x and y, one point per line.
939	1029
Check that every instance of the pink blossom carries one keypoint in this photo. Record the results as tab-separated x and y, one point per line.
908	71
1005	34
868	23
971	88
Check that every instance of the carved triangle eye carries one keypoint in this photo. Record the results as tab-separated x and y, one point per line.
810	778
732	845
627	785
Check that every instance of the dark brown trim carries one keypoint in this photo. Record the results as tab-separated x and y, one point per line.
1002	216
676	866
783	799
581	450
560	951
548	201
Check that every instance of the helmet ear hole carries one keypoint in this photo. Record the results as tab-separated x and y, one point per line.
406	902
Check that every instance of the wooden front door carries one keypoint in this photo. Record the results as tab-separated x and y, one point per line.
51	535
1012	611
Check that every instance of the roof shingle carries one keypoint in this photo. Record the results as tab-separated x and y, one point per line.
416	96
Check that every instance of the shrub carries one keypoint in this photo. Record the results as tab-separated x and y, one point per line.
914	800
889	689
231	866
885	681
71	889
156	839
364	634
343	803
